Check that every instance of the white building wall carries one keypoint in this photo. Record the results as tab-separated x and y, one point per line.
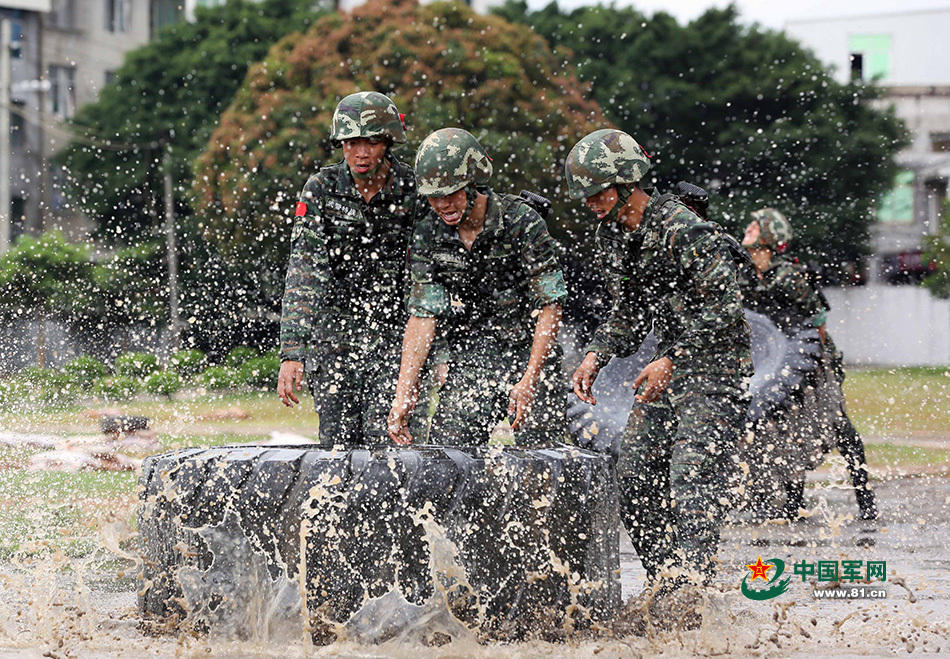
890	325
920	43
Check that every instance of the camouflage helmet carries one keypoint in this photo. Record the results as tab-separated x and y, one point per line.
448	160
604	159
775	231
367	114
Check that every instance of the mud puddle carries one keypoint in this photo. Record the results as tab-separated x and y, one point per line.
58	606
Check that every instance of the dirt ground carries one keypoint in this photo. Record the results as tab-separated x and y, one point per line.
58	606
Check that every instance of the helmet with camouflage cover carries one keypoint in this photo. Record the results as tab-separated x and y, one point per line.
604	159
775	231
448	160
367	114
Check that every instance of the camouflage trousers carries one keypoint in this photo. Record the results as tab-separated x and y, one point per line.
676	468
474	398
353	386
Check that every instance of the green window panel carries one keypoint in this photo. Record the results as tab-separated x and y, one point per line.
897	205
875	51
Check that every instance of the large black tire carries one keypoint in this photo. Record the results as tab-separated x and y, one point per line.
536	530
784	364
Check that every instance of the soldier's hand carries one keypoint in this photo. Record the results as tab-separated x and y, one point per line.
289	378
656	376
398	422
584	378
520	400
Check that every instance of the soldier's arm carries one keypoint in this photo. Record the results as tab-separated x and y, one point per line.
307	274
803	293
427	301
548	291
710	265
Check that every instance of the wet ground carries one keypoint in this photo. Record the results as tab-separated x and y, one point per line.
58	606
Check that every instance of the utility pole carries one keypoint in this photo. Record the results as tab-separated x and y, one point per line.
5	81
171	246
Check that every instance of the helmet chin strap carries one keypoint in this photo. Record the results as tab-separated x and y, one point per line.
623	195
471	196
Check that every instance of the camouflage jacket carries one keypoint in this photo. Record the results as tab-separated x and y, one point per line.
786	295
487	292
677	274
348	265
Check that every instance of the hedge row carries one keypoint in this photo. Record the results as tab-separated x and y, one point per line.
135	372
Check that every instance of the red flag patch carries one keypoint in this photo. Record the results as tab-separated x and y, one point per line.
301	209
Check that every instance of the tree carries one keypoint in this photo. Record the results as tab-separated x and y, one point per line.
442	64
45	278
172	89
937	253
745	111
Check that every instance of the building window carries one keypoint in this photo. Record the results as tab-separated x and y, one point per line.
61	14
897	205
17	220
940	141
109	76
870	56
167	12
62	93
118	15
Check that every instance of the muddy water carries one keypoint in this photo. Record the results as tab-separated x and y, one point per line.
60	606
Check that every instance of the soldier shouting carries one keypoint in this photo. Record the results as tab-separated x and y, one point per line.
483	268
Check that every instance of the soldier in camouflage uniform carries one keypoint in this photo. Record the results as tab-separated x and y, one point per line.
783	290
484	270
343	300
669	269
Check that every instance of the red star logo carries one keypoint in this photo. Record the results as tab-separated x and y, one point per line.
758	570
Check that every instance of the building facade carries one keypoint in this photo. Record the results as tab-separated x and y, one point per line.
908	55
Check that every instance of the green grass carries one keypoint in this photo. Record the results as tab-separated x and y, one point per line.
177	417
40	509
893	455
902	402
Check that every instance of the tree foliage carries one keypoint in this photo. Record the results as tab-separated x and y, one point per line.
171	89
45	278
442	64
744	111
937	253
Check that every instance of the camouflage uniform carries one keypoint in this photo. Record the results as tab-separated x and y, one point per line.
485	299
343	310
677	274
787	295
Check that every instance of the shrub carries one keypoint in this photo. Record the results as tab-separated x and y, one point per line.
137	365
164	383
118	387
85	371
239	355
261	372
188	363
218	378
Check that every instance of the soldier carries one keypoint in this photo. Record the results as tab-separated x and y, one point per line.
668	269
784	291
342	310
484	269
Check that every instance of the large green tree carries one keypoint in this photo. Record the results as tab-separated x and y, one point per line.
171	90
744	111
442	64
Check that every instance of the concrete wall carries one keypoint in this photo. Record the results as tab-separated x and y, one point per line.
890	325
920	47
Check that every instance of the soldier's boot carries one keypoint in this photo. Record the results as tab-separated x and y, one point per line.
852	449
677	606
794	498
